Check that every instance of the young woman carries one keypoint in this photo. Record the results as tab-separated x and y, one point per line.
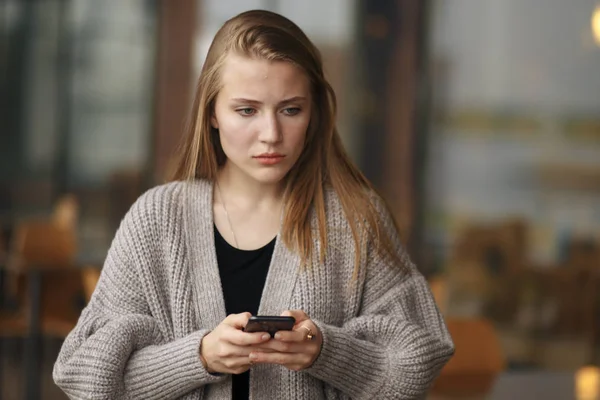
266	215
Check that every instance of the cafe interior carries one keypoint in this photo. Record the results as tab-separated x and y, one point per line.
478	121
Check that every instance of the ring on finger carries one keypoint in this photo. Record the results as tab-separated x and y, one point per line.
309	333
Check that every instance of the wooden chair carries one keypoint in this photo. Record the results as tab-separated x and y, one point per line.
45	288
477	361
90	275
486	267
66	212
439	288
47	250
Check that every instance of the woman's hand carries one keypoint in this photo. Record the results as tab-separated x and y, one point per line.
226	349
293	349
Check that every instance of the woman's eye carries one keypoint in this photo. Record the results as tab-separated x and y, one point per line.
291	111
246	112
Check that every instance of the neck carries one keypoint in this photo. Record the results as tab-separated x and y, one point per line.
241	192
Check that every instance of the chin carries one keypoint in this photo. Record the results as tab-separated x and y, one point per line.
269	177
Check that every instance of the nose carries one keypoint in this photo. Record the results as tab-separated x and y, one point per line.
271	132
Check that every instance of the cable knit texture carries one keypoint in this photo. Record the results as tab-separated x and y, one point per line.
159	293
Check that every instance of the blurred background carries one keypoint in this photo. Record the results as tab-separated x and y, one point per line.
479	122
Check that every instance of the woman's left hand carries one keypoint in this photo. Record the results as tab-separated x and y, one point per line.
293	349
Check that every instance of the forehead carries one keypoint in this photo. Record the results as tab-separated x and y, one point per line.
245	76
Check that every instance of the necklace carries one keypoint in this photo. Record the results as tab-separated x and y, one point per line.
227	214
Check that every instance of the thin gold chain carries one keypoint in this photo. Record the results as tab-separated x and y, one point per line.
227	214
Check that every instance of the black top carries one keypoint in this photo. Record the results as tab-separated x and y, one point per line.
243	275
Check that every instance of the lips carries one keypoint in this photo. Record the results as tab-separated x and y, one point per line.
269	158
270	155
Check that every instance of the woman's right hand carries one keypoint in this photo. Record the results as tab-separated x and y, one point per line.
227	347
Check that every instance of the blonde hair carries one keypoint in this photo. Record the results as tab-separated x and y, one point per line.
323	162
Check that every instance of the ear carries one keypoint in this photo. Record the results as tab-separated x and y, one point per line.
213	121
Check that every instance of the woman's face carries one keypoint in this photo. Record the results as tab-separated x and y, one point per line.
262	113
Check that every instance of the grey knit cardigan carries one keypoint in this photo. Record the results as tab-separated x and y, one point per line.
159	293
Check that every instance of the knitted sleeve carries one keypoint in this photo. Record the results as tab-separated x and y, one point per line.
117	350
398	343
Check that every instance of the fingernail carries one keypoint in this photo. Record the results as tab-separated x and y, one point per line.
278	336
253	356
265	336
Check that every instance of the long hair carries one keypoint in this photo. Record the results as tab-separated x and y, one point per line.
323	161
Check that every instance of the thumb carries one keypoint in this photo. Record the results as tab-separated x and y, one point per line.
298	315
238	321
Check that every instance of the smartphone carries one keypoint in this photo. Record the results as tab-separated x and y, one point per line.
270	324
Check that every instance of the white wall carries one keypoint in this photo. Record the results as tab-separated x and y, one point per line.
325	22
538	54
110	88
533	57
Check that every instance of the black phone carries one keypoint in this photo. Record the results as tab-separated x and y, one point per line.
270	324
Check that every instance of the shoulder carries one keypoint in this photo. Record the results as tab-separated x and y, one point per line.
336	215
158	200
370	216
165	202
161	194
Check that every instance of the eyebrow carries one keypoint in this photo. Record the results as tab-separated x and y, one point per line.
286	101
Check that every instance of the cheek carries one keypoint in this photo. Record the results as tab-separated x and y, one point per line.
234	134
234	144
297	134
